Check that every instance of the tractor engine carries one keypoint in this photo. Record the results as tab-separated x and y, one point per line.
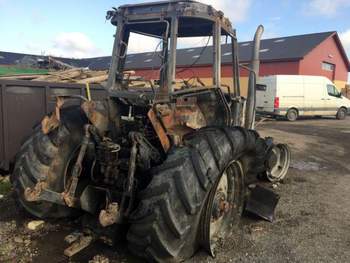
122	146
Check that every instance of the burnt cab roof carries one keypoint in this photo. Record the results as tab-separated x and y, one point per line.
195	19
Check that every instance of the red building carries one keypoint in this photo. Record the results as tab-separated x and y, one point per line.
319	54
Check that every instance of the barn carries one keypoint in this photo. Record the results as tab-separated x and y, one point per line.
319	54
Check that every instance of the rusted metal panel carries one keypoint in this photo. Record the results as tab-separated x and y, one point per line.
23	104
159	130
23	108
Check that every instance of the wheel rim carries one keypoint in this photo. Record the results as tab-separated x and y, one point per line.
222	204
69	167
278	163
342	114
292	115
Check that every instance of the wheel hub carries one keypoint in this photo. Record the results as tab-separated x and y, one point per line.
278	163
221	204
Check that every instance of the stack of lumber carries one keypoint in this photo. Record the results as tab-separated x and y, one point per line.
75	75
346	91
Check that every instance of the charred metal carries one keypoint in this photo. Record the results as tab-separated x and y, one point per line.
163	159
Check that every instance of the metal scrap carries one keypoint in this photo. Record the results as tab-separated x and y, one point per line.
33	194
110	215
78	245
262	202
52	122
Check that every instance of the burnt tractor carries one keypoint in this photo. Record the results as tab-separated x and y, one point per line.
168	164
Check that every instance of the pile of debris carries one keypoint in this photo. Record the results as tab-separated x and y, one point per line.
346	91
74	75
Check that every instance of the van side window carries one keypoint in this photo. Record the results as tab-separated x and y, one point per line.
261	87
332	91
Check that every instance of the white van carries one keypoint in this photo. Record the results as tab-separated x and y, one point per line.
294	95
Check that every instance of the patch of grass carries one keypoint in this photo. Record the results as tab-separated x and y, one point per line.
5	187
18	70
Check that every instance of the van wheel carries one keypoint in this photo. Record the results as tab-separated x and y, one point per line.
292	115
341	114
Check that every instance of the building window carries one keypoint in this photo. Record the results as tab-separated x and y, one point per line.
328	66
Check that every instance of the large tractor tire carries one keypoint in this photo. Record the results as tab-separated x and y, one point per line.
44	158
170	223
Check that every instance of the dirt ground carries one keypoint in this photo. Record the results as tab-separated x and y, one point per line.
312	218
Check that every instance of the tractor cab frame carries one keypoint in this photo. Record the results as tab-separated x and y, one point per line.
169	21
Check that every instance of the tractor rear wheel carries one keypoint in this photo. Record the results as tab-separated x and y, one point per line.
196	183
44	158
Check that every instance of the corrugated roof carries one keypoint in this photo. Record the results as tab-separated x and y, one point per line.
11	58
282	48
275	49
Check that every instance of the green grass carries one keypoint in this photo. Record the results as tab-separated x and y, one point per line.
16	70
5	187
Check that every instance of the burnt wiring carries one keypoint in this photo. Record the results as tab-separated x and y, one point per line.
188	68
153	70
196	60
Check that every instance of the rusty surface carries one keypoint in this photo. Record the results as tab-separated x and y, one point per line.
110	215
101	114
69	194
164	140
95	112
52	122
224	206
185	112
49	123
33	194
69	200
181	118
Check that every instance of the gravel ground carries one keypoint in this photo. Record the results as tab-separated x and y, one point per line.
312	218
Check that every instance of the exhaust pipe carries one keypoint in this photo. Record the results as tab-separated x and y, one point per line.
253	75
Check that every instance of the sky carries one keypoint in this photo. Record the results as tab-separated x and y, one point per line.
78	28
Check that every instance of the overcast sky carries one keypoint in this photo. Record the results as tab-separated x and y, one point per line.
77	28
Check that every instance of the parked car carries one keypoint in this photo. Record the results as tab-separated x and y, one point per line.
292	96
